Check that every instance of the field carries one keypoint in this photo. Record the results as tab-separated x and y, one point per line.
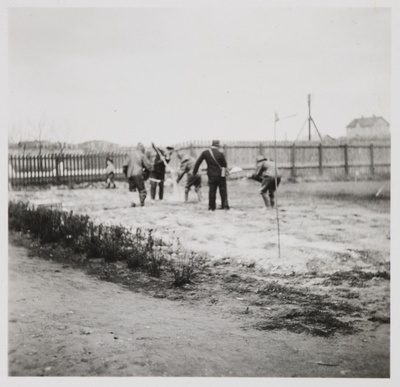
323	302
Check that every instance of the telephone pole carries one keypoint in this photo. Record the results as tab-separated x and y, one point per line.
309	119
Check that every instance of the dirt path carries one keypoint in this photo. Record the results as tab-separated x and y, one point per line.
64	323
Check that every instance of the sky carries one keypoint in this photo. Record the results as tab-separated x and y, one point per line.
171	75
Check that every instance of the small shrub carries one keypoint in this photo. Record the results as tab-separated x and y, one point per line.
115	244
46	225
17	215
185	266
155	258
92	243
72	229
138	254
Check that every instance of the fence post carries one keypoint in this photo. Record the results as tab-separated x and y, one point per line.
39	169
30	174
55	157
80	168
96	166
22	167
371	148
18	170
260	148
294	160
192	149
320	159
90	167
10	169
34	169
45	168
346	159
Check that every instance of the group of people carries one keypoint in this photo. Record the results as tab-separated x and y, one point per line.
138	168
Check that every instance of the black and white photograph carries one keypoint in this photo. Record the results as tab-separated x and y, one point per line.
200	190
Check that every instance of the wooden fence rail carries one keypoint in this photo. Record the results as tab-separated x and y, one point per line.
295	160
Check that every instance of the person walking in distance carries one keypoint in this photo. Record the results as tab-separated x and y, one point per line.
135	165
216	172
186	167
110	171
265	174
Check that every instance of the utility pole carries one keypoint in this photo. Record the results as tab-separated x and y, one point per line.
309	119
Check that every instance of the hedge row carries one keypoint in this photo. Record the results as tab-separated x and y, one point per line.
140	250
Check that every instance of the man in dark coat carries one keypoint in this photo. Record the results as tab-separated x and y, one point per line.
265	174
157	175
216	172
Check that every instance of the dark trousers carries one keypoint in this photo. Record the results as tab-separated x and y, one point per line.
110	179
214	184
268	185
137	183
153	189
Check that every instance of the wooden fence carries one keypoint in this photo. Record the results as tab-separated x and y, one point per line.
303	159
61	169
294	159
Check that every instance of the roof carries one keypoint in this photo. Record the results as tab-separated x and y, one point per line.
366	122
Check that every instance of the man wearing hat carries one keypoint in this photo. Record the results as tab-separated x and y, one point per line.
157	175
216	172
265	174
134	166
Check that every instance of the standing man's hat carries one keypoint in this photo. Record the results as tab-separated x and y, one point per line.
215	143
170	148
261	158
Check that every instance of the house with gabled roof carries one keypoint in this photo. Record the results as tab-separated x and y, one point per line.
368	127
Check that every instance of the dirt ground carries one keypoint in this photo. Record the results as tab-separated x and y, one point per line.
321	309
317	231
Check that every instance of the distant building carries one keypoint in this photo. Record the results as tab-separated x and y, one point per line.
368	127
99	146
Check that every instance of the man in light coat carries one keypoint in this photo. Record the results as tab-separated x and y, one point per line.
186	167
134	166
265	174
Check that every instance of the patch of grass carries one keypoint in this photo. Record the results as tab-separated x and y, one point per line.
284	294
347	293
312	321
312	310
355	278
380	319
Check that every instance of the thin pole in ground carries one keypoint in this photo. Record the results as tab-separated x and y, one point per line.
276	189
276	180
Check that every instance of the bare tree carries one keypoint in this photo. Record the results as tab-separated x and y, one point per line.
61	136
40	134
20	136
